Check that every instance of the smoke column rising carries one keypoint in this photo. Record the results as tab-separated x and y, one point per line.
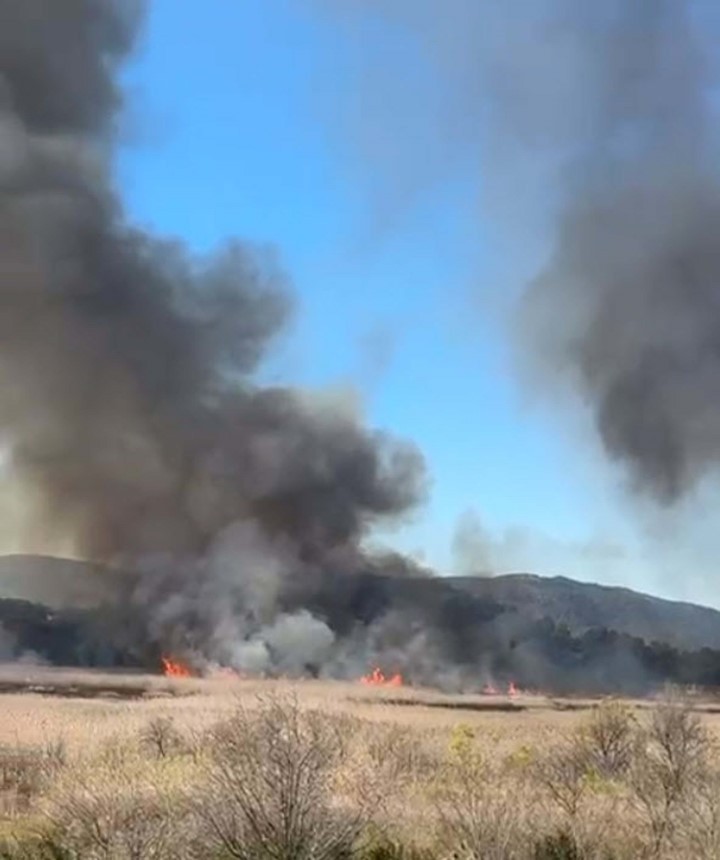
630	300
126	366
602	117
127	397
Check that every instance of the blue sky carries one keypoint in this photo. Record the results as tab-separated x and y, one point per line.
232	131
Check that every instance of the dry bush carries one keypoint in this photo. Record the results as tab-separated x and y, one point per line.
37	847
274	786
24	773
403	757
161	738
596	757
558	846
118	805
669	773
564	773
399	763
641	790
583	778
481	813
129	826
608	737
388	850
697	830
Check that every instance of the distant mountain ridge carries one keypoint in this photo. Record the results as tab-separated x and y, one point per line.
553	634
64	583
582	606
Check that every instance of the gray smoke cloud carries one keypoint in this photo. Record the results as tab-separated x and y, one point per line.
597	125
479	550
127	399
629	301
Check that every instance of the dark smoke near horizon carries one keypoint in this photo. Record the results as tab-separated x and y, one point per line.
127	397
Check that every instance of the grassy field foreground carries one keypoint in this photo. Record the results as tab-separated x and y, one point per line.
104	766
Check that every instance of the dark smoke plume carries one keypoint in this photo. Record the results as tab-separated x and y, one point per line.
599	122
127	399
630	299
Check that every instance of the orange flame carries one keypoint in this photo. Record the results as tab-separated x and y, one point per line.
175	669
376	678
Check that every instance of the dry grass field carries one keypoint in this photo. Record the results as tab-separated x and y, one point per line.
131	766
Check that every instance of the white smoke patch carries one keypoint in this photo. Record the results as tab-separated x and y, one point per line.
673	554
251	656
481	551
245	560
215	604
472	547
10	652
228	612
8	645
336	404
299	640
293	644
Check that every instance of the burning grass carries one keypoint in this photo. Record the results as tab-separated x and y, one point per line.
317	771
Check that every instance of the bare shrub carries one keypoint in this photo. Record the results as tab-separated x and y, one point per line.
584	780
274	787
161	737
698	828
608	738
38	847
388	850
599	753
558	846
669	768
117	804
479	815
564	772
24	773
131	822
401	756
